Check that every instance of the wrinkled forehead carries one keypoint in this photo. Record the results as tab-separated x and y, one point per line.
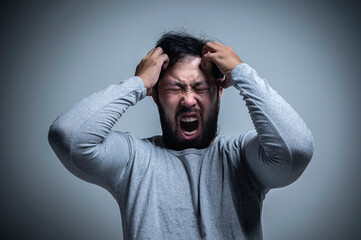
187	71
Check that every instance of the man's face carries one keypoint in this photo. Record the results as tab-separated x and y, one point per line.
188	103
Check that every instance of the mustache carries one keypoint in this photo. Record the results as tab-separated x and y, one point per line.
183	110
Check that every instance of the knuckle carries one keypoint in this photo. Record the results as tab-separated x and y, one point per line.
153	61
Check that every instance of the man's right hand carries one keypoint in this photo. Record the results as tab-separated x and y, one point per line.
150	67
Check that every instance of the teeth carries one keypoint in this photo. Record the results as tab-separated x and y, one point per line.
189	133
189	119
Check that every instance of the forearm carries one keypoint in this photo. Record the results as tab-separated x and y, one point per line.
283	145
82	132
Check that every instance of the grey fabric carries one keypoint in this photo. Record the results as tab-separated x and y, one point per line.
211	193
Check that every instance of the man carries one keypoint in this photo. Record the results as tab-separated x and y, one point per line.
188	183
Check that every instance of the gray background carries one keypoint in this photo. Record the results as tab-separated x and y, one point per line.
54	54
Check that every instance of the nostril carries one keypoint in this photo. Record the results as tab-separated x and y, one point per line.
188	100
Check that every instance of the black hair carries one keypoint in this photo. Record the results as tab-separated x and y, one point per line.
180	45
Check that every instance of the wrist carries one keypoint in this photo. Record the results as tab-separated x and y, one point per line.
145	84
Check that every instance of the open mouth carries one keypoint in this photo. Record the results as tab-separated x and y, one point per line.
189	125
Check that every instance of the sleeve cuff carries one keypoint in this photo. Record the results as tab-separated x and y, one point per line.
137	84
240	72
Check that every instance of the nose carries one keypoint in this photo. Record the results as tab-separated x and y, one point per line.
188	99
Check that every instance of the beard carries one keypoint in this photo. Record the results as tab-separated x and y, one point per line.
209	128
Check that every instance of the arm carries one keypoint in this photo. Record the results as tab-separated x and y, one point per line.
82	137
282	146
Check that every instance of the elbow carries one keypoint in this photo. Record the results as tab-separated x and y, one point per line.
70	143
304	149
290	162
60	140
300	156
301	153
54	134
59	137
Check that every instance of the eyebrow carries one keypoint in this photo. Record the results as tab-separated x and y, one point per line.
179	84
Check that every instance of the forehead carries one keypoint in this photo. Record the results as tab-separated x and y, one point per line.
186	71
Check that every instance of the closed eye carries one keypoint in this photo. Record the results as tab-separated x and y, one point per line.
202	89
173	89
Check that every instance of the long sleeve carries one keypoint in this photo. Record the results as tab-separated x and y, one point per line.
82	137
279	150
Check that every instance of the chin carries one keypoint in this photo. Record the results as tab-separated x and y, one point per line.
176	142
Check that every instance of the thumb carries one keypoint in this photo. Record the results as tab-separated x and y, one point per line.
224	82
219	81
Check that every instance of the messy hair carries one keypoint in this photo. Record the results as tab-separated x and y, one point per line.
180	45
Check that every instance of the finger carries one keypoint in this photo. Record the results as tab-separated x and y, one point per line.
210	47
209	56
165	65
204	62
219	81
165	60
150	52
219	44
206	59
157	51
227	82
165	57
206	49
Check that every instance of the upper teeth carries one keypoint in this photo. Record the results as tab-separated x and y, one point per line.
189	119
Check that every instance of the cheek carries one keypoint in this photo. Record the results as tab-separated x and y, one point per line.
169	103
207	100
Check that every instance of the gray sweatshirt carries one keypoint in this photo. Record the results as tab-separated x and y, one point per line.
211	193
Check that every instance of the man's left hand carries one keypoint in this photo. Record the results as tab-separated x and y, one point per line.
225	59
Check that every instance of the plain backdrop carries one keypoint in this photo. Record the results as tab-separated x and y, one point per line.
54	53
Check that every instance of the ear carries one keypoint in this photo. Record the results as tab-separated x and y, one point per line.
155	97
